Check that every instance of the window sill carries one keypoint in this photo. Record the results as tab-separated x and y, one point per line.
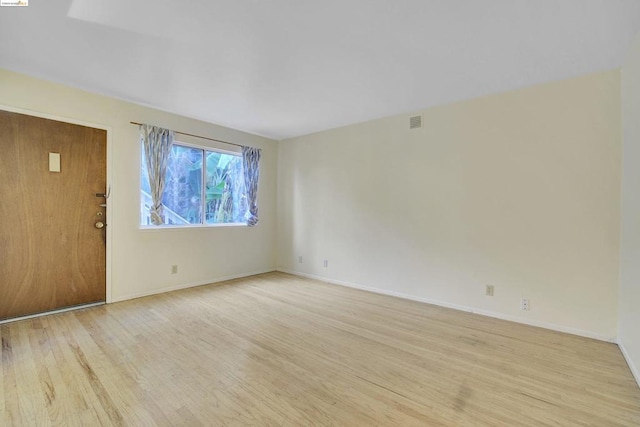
190	226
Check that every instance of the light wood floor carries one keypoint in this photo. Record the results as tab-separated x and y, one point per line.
279	350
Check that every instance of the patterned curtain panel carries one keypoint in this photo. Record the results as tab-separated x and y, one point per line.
157	147
251	164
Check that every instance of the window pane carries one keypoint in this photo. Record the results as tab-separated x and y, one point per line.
183	187
145	190
222	200
225	193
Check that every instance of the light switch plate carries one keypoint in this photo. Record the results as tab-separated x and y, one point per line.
54	162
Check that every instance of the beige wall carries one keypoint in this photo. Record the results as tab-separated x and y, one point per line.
629	326
141	260
519	190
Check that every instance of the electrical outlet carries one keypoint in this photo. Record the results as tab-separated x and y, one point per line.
300	259
489	290
325	263
524	304
174	269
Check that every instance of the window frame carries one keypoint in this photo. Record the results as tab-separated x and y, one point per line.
204	148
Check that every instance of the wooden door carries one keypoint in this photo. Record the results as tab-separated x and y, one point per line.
51	254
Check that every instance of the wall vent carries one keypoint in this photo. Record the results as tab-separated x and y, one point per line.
415	122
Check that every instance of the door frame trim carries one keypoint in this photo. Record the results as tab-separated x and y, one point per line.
109	131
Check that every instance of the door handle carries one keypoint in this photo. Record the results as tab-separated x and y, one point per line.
105	195
100	224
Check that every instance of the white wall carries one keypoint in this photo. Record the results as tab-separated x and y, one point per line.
629	323
141	260
520	190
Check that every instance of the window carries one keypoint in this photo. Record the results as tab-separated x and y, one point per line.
203	186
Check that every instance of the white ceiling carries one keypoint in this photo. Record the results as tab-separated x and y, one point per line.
282	68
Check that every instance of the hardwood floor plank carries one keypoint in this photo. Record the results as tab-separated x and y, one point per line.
52	386
32	403
3	400
279	350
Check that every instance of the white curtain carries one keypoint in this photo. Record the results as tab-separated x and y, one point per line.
157	148
251	165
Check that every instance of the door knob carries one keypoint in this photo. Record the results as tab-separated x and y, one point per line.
99	224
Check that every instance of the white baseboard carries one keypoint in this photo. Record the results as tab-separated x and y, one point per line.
632	366
189	285
540	324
